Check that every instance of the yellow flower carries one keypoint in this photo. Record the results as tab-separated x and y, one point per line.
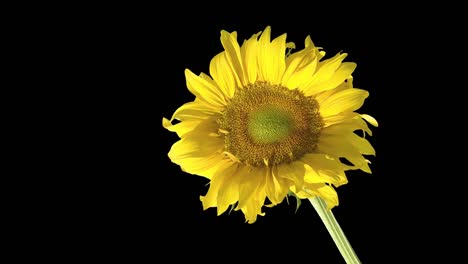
268	122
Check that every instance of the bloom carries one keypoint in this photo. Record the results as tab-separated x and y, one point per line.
268	122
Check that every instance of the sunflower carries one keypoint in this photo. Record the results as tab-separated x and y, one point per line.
268	122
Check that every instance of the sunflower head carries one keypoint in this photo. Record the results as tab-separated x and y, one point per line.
267	122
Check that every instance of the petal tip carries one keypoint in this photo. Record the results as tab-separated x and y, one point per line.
166	123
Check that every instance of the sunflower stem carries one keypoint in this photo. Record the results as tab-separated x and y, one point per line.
335	230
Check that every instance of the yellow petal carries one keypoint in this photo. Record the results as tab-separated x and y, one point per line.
322	190
225	170
328	194
194	111
357	123
349	121
300	66
229	192
181	128
362	145
298	60
233	56
277	58
205	166
223	75
325	169
251	185
309	44
294	172
253	209
340	147
346	100
347	84
196	145
249	54
341	74
326	70
338	119
252	193
197	151
262	52
193	118
224	95
271	57
209	200
345	129
276	186
205	91
166	123
370	120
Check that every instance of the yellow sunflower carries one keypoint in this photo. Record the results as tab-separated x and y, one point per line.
267	122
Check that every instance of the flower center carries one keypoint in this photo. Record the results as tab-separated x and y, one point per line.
268	124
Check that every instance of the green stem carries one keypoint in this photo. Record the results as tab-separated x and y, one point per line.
334	230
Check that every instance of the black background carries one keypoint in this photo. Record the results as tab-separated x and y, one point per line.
146	207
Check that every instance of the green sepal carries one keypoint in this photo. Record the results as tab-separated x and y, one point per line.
298	200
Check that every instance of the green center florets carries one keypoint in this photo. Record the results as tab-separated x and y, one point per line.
270	124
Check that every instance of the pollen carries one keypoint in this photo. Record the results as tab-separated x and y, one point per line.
266	124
